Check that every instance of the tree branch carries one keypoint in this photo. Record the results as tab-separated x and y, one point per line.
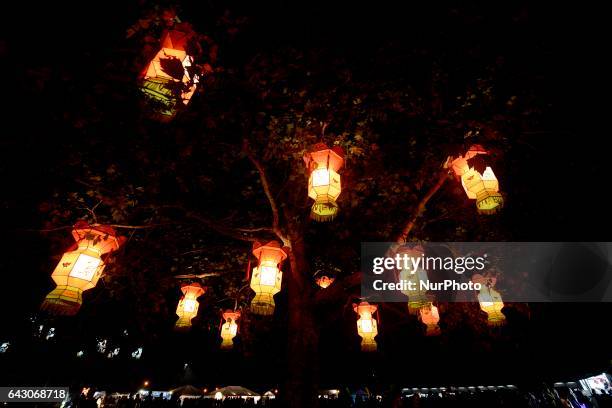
267	190
241	234
418	211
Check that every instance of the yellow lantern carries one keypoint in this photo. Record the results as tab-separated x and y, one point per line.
491	303
167	78
324	185
367	327
482	187
417	298
431	318
266	278
188	306
229	329
80	268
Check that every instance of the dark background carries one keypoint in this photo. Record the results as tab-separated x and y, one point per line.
558	183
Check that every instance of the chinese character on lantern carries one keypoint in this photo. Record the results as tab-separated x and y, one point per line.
188	306
367	327
430	318
229	329
417	296
478	181
490	300
170	78
266	277
81	267
324	186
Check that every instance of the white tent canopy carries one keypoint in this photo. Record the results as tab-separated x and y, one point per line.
232	391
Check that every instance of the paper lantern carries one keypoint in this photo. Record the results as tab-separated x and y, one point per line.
167	79
482	187
266	277
80	268
324	281
324	185
417	298
188	306
367	327
491	303
229	329
431	318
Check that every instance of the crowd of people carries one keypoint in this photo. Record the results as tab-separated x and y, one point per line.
512	398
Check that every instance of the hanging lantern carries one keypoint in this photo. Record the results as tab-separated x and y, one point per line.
480	186
229	329
431	318
188	306
169	78
491	303
417	298
367	327
324	281
80	268
266	277
324	186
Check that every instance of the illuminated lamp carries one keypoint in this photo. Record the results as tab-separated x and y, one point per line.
491	303
80	268
367	327
266	278
324	281
417	298
188	306
324	185
167	79
480	186
229	329
431	318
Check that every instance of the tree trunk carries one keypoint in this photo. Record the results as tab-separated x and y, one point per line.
303	337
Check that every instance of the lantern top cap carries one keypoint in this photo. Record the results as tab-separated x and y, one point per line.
364	307
320	151
193	287
175	39
107	233
488	281
275	246
231	314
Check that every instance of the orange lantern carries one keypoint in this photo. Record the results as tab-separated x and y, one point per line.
482	187
367	327
324	281
229	329
430	317
188	306
81	267
417	298
167	78
491	303
266	278
324	186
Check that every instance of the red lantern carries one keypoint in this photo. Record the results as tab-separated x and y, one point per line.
324	185
81	267
324	281
188	306
480	186
229	329
168	79
430	317
367	327
266	278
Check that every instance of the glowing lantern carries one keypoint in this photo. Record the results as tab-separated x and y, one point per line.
266	277
324	186
491	303
417	298
167	79
81	267
229	329
482	187
324	281
188	306
367	327
430	317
